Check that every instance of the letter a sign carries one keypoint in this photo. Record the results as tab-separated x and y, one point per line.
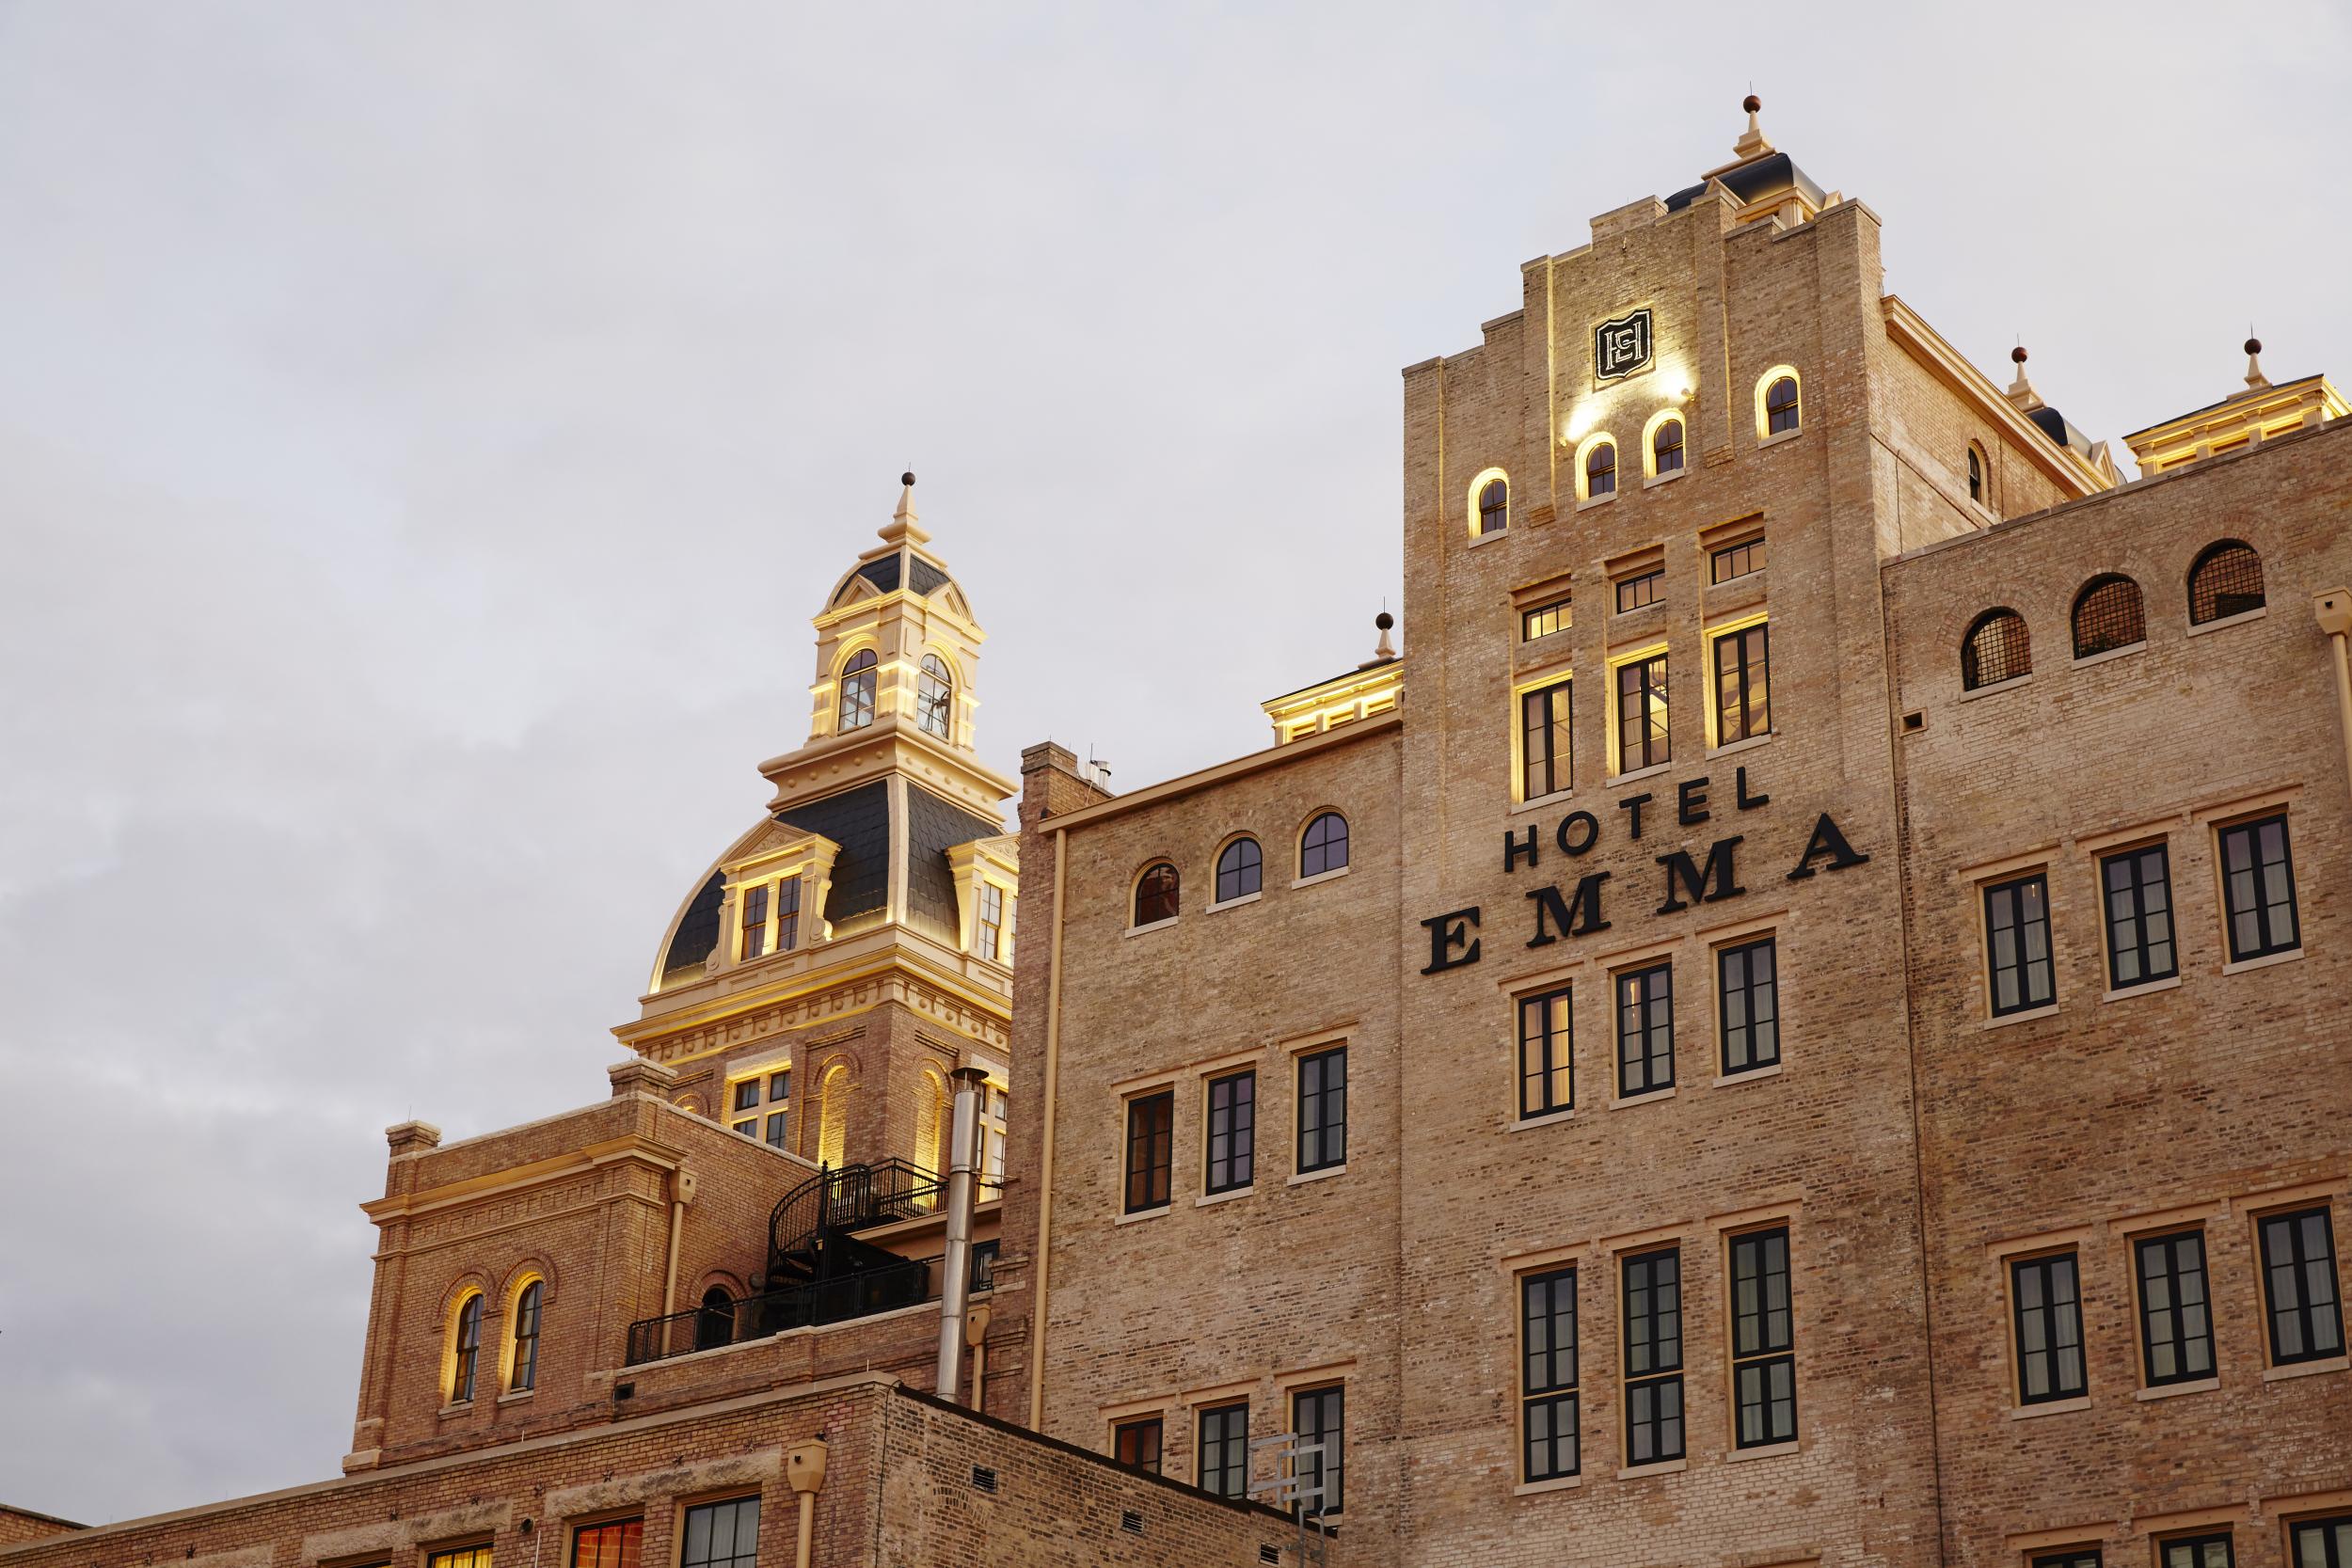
1622	346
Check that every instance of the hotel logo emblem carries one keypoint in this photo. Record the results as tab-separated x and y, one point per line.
1621	347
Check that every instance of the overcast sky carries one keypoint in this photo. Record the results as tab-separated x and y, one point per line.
426	430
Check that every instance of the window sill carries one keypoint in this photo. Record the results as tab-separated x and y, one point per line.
2145	987
1547	1119
2238	620
1748	1074
1644	1098
2307	1369
1750	744
1235	903
1140	1214
2165	1391
2111	653
1767	1450
1662	1468
1557	1484
1777	436
1226	1196
1155	925
460	1408
1651	771
1591	501
1304	1176
1331	875
2048	1010
1656	480
2009	684
1478	539
517	1396
2049	1407
1544	802
2242	965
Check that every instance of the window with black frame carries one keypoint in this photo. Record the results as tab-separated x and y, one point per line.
2299	1290
1646	1030
2085	1557
1544	739
1550	1423
1653	1356
1780	406
2200	1551
477	1556
720	1535
1494	507
467	1349
1747	1005
1151	1121
988	934
1322	847
1222	1450
1547	1064
1319	1416
2017	944
2321	1542
754	921
1642	736
2046	1300
1322	1110
523	1359
2137	887
1137	1444
1763	1340
1665	449
1600	470
1735	560
1640	592
2175	1316
1544	619
1233	1103
1240	870
2258	888
1743	701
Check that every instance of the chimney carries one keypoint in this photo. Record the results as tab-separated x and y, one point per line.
962	1184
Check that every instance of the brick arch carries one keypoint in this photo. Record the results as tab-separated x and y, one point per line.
529	1266
691	1104
735	1284
472	1279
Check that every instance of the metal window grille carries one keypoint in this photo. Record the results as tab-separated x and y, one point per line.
1666	448
1545	745
1150	1119
1642	592
2108	614
1323	845
1743	702
2175	1318
1233	1132
1547	1067
1494	507
1735	560
2258	888
1763	1340
1137	1444
722	1535
617	1544
984	1478
1240	870
1998	648
1155	895
1550	1426
1322	1110
1646	1030
1600	470
1780	405
2138	884
2225	580
1319	1416
2300	1282
1747	994
2017	944
2048	1305
1653	1356
1223	1469
1545	619
1642	735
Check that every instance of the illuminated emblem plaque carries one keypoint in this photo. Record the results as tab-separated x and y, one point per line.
1622	346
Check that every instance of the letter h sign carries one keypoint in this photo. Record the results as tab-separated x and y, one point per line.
1621	347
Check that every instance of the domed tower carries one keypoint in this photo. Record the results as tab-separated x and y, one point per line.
838	960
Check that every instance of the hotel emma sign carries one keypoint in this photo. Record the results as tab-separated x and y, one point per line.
1566	908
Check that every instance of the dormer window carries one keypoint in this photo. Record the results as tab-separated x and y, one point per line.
934	697
754	921
857	692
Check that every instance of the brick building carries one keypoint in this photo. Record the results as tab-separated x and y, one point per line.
1801	1035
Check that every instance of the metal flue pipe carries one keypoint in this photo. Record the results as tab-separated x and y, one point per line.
963	1181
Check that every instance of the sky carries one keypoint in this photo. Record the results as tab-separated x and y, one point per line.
426	430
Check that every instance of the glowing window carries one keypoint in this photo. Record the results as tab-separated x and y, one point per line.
934	697
1642	592
1642	735
2225	580
1545	619
617	1544
857	692
1735	560
1998	649
1155	895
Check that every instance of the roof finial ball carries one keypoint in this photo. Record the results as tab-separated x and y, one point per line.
907	479
2017	355
1752	144
1387	650
2254	376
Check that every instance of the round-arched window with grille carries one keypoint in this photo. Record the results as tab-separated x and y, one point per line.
2227	580
1998	649
2108	614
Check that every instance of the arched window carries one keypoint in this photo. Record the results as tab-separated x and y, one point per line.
1155	895
2108	614
1323	845
2225	580
934	697
1997	650
465	1344
714	1320
523	1360
1240	870
1780	405
833	1114
1976	472
857	692
1600	470
1665	447
1494	507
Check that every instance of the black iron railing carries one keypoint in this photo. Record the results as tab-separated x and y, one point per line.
824	1301
851	1198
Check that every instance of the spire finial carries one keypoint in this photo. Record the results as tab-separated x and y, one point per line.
1752	144
2254	377
2021	393
1387	650
902	524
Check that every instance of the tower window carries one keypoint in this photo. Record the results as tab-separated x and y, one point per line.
1780	405
1998	649
1653	1356
1240	870
857	692
525	1360
2227	580
934	697
1665	449
1155	895
2258	888
2048	1306
2108	614
1150	1140
1544	739
1494	507
1600	470
468	1348
2017	944
1323	845
989	939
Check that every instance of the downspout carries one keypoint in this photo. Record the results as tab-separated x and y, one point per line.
2334	610
1045	1153
681	1193
963	1175
805	1467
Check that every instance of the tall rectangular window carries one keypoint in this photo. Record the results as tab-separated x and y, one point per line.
1320	1415
608	1545
2322	1542
788	915
1223	1449
1743	700
1747	996
2200	1551
2175	1318
1233	1132
722	1535
1548	1424
1547	1066
1653	1356
2299	1285
1737	560
1150	1122
1137	1444
1763	1340
2258	888
2048	1305
1544	620
1646	1030
1642	713
2138	884
989	939
1642	592
1544	747
2017	944
754	921
1322	1109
